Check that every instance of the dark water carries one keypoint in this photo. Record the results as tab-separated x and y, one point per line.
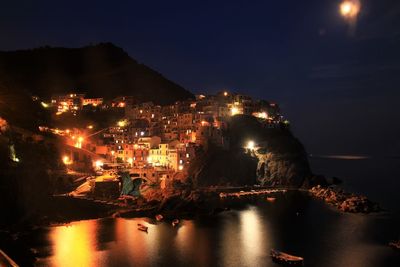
243	237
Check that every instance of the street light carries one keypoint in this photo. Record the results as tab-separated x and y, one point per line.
250	145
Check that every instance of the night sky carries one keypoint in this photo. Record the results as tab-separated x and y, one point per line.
339	87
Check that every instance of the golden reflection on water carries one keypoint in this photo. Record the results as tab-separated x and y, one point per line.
185	237
244	239
74	244
251	235
193	244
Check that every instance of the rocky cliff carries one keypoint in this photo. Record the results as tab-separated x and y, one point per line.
278	159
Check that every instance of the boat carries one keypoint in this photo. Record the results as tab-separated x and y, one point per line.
395	244
175	222
271	199
142	227
286	259
159	217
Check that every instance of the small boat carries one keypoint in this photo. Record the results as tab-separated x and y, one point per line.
395	244
175	222
159	217
286	259
271	199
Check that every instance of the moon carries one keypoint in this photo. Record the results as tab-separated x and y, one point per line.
349	9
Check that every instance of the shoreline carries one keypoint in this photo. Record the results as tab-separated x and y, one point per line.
207	203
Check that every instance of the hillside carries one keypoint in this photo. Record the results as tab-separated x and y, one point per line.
102	70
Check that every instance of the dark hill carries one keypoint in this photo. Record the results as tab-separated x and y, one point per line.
102	70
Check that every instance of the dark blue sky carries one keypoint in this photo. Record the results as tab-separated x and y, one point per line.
340	89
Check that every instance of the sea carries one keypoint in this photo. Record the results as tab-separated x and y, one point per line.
244	236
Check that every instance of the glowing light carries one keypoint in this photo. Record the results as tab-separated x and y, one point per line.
112	152
90	126
122	123
234	111
66	160
79	142
350	8
130	161
180	167
45	105
149	159
261	115
98	163
225	93
250	145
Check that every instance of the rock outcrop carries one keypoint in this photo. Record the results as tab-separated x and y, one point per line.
216	166
278	158
345	201
274	169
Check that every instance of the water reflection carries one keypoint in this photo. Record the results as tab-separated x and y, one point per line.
74	244
251	235
234	238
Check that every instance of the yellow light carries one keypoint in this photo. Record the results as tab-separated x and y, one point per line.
45	105
80	139
122	123
66	160
261	115
130	161
350	8
98	163
149	160
250	145
180	167
225	93
234	111
112	152
90	127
